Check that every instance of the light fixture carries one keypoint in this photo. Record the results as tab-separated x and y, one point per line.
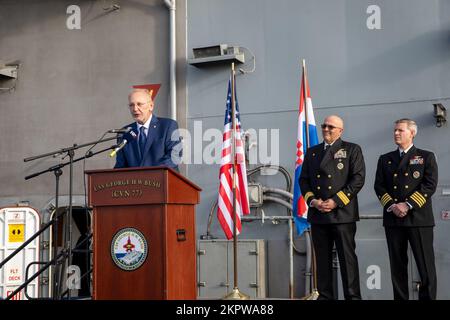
255	194
440	113
9	70
217	54
8	75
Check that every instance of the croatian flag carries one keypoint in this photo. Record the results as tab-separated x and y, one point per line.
305	119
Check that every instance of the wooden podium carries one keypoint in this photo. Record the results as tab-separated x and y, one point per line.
144	233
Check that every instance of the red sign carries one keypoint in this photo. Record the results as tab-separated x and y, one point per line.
17	296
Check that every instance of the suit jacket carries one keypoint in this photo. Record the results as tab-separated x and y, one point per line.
158	149
339	174
412	179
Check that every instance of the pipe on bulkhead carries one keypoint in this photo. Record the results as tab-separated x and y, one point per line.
171	5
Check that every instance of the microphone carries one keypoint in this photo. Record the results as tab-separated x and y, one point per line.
123	130
118	148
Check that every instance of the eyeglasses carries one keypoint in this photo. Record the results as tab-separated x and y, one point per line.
330	127
138	104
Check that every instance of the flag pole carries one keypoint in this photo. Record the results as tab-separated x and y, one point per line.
235	294
315	293
304	101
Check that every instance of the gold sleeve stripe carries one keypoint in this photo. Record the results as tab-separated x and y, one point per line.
343	197
417	199
414	198
385	199
307	196
420	196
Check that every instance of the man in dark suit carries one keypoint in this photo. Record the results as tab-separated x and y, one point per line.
152	141
405	181
333	173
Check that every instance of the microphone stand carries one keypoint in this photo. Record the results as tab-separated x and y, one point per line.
58	172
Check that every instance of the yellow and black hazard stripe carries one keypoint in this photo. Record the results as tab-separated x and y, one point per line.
385	199
345	200
418	198
307	196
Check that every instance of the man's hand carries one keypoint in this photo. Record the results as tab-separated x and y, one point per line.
318	204
400	209
324	206
329	205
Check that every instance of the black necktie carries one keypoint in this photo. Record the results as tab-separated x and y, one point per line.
327	146
402	154
142	140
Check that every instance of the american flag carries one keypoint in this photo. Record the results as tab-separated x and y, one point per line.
300	208
225	202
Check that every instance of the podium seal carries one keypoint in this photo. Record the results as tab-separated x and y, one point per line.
129	249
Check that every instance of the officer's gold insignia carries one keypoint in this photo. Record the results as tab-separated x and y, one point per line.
416	174
340	166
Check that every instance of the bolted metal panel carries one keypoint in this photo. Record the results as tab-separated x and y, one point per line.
215	268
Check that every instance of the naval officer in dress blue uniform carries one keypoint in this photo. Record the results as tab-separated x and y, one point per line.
333	173
405	180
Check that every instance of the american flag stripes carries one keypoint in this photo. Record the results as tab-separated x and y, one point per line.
225	202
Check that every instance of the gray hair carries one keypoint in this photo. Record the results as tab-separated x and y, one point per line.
146	91
410	124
